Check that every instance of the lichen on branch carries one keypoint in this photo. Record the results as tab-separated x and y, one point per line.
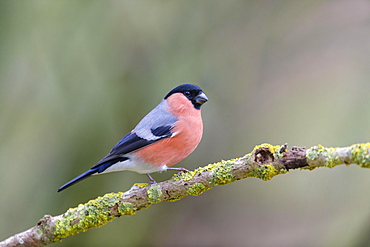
264	162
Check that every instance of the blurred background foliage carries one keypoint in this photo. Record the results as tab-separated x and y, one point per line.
75	76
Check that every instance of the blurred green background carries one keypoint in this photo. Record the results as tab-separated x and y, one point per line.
75	76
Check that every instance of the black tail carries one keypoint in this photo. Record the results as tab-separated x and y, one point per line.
78	179
98	168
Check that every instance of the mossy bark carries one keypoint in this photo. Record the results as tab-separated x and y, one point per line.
264	162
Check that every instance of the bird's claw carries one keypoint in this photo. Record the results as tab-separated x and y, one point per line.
182	171
151	179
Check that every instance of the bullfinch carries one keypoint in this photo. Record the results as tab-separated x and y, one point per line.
164	137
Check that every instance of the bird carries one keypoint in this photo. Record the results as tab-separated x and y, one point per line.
163	138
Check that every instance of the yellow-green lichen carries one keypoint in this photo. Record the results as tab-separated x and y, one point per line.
197	189
222	173
154	194
186	176
266	172
274	149
360	154
126	209
321	156
209	167
39	233
175	198
141	185
94	213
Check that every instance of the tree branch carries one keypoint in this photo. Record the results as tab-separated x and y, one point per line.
264	162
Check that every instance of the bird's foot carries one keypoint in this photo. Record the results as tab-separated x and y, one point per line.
151	179
180	169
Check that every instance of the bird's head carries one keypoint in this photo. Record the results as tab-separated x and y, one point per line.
192	92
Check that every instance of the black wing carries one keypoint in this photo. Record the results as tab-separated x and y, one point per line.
132	142
127	144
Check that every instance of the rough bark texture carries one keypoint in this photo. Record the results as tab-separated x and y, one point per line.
264	162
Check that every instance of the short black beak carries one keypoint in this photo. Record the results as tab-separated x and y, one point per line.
201	98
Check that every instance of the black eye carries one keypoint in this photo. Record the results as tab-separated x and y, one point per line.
187	93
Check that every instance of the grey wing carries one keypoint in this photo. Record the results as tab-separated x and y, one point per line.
155	126
155	123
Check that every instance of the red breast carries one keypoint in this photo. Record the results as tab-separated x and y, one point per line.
188	133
